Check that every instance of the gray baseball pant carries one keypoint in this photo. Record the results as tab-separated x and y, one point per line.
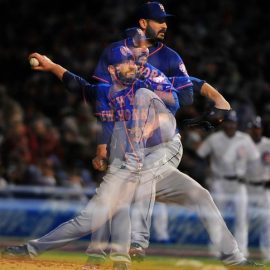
156	115
114	195
118	188
142	208
144	197
176	187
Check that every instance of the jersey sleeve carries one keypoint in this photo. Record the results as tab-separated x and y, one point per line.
79	86
177	66
184	89
104	113
197	84
106	132
178	69
173	104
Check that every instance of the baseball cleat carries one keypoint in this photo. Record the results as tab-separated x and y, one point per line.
136	252
16	252
93	264
120	266
247	264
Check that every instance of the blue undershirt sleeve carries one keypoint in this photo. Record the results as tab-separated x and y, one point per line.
107	129
79	86
197	84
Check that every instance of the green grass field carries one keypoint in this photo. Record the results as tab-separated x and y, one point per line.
75	260
159	257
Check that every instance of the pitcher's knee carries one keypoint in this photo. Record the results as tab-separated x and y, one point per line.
83	226
204	193
200	193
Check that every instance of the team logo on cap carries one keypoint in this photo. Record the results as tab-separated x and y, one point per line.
124	50
162	7
183	68
158	79
140	32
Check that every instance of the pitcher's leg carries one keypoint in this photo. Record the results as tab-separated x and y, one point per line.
69	231
99	244
221	200
142	209
141	220
120	235
114	191
184	190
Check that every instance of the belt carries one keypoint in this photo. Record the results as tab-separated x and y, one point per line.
262	183
256	184
265	184
234	178
231	177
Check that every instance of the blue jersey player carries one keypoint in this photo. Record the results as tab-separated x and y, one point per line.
152	21
132	115
169	183
115	194
174	186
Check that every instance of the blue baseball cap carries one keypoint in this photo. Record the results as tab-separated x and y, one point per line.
135	31
136	34
231	116
119	54
153	11
255	123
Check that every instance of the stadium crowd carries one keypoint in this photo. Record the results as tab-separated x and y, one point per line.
48	136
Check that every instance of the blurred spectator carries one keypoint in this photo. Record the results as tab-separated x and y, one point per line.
3	183
79	135
230	151
258	183
44	140
41	174
16	154
10	110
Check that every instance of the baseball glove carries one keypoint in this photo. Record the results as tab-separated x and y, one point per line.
208	121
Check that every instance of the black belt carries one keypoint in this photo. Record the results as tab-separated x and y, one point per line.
256	184
265	184
231	178
234	178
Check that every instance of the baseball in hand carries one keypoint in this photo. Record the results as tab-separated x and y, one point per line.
34	62
103	165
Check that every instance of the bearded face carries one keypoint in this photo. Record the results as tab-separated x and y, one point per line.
141	55
126	72
156	30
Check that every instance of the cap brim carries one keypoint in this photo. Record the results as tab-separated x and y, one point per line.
163	17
